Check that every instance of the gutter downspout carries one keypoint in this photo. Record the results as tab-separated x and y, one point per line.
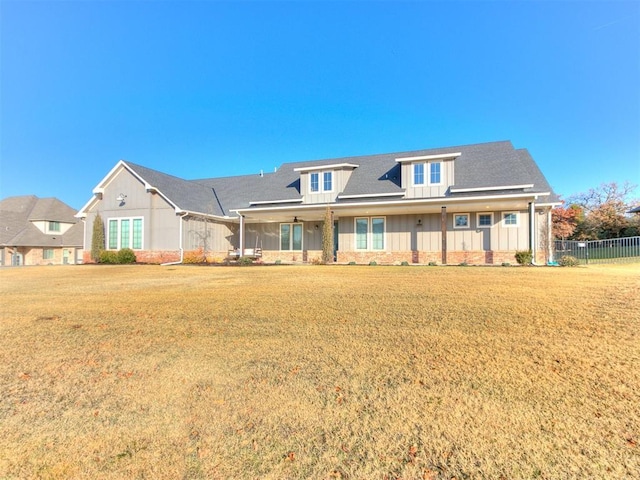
532	226
241	249
550	235
181	245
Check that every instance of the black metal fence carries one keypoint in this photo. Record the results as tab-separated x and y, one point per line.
614	250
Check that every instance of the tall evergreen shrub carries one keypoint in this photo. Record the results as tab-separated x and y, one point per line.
327	237
97	238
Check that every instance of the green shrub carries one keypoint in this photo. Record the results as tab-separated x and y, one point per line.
433	264
244	261
506	264
278	262
126	255
352	263
568	261
108	257
524	257
464	264
373	262
404	263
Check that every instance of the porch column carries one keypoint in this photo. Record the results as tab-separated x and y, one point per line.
443	227
241	246
550	242
532	229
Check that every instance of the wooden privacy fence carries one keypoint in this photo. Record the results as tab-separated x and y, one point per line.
612	250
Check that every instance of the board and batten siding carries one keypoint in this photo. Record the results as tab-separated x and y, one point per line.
340	178
161	225
267	236
211	235
422	232
447	178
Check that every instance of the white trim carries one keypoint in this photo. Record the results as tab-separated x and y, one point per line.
321	189
462	227
291	224
440	174
267	202
437	200
325	167
478	225
413	174
118	239
441	156
487	189
369	247
370	195
510	225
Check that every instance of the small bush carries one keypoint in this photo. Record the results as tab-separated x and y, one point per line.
352	263
244	261
194	256
108	257
278	262
568	261
432	264
373	262
524	257
317	261
463	264
404	263
506	264
126	255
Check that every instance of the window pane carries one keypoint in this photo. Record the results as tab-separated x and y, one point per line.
418	174
113	234
328	181
54	226
314	182
510	219
484	220
137	233
124	234
47	254
377	231
362	227
297	237
461	220
285	236
435	172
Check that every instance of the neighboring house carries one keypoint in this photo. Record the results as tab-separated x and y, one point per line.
475	203
634	210
39	231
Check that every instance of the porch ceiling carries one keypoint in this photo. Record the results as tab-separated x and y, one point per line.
316	212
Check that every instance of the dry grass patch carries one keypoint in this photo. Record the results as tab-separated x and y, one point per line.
320	372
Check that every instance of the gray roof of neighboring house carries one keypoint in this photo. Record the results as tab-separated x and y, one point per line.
493	164
17	215
635	210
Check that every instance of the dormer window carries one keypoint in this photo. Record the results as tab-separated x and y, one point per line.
320	182
434	170
54	227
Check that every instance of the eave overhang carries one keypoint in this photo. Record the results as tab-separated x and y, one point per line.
426	158
329	166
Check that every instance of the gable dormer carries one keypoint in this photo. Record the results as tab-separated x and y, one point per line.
427	176
323	183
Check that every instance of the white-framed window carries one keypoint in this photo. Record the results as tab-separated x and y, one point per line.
291	236
485	220
435	173
47	253
321	182
314	182
511	219
125	233
461	220
418	173
54	227
370	233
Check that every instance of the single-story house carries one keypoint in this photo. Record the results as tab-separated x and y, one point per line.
474	203
39	231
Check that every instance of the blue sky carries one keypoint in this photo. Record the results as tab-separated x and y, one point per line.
207	89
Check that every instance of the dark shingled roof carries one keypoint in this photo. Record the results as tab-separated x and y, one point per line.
493	164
